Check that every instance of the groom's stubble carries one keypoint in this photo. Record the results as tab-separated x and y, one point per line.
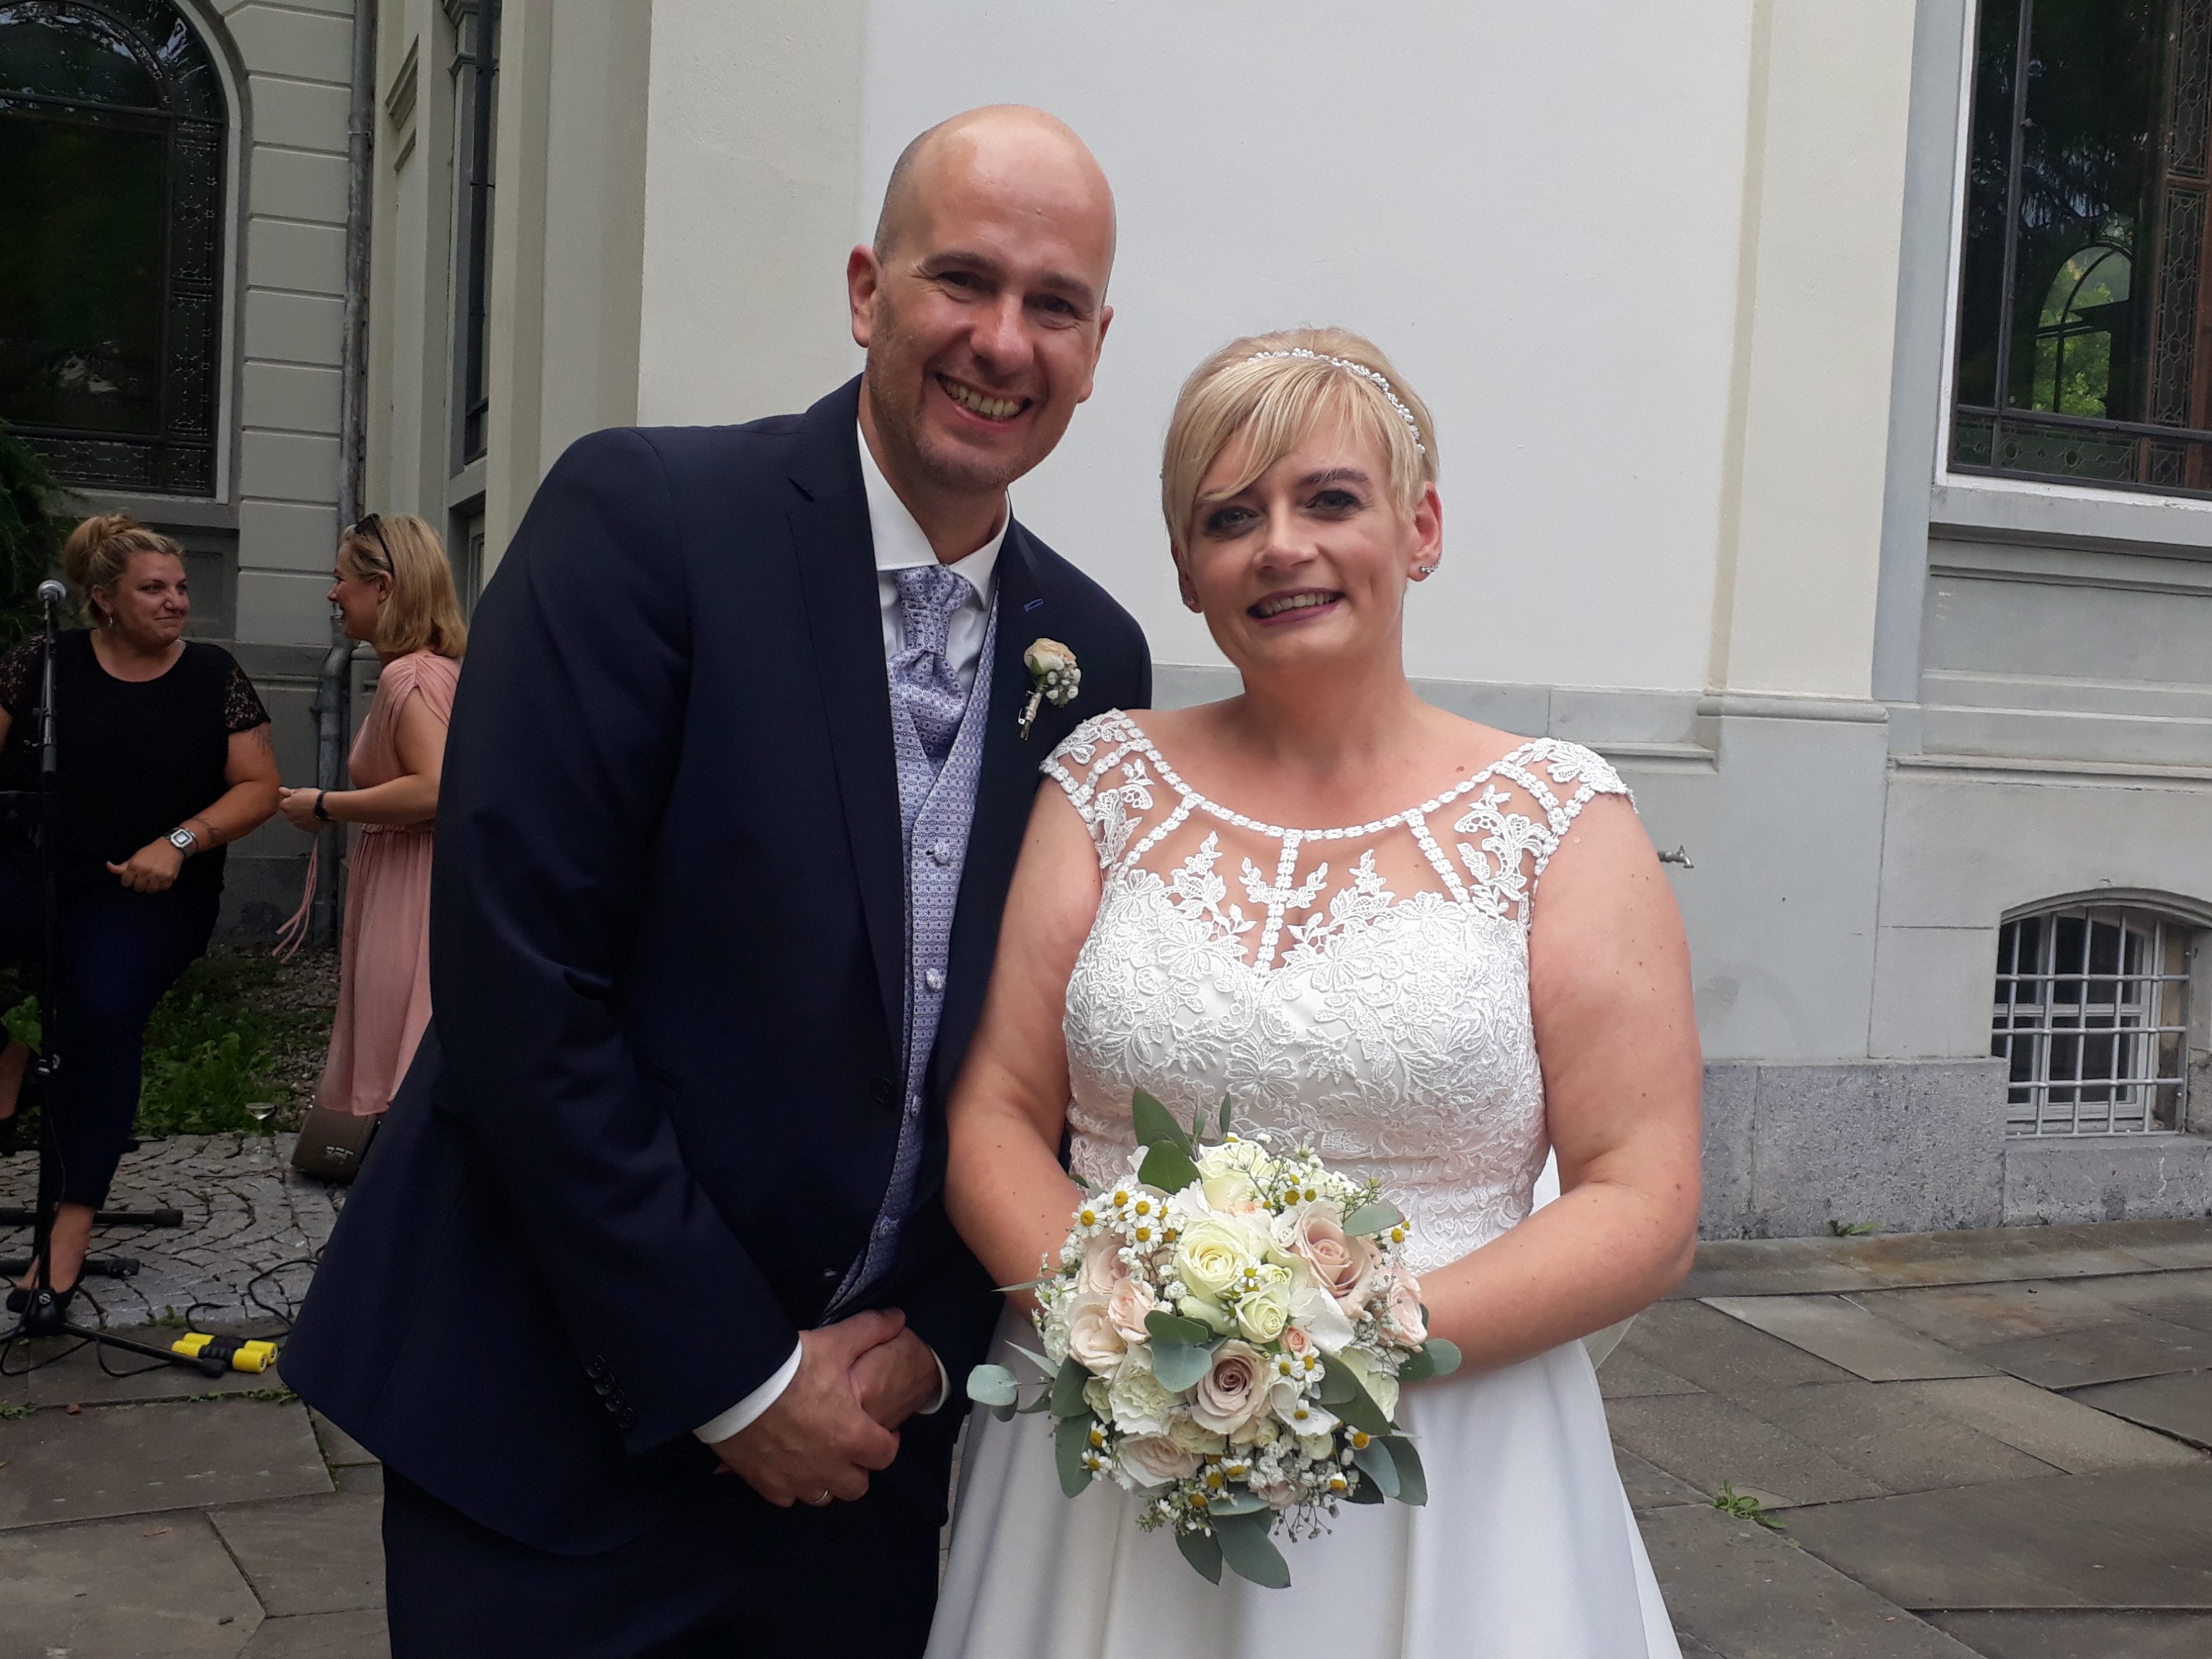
981	306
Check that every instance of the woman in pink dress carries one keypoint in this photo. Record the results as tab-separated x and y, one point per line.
395	589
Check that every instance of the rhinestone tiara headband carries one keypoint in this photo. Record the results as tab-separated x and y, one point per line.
1364	373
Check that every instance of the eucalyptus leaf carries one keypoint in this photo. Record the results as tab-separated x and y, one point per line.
1168	1167
1155	1125
1376	1217
992	1385
1418	1367
1203	1551
1034	1356
1444	1356
1178	1365
1341	1389
1250	1554
1197	1125
1026	1284
1005	1413
1413	1478
1174	1327
1362	1491
1375	1462
1225	1114
1071	1439
1067	1390
1241	1502
1042	1403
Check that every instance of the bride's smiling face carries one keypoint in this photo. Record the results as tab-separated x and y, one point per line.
1307	565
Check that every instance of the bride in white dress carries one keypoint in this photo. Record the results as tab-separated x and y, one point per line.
1476	960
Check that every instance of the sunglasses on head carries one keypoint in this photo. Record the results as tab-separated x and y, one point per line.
370	525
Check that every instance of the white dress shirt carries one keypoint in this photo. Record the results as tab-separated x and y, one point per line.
900	545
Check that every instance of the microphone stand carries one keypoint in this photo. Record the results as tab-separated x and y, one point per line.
42	1316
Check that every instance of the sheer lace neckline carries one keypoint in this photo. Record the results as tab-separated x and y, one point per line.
1203	803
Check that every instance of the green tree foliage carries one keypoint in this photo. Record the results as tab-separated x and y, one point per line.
30	535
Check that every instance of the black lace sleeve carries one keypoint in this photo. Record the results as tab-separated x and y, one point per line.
19	678
242	708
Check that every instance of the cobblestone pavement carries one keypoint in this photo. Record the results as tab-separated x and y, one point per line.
1930	1447
252	1223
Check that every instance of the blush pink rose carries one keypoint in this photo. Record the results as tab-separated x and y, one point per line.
1102	1268
1341	1262
1091	1337
1126	1304
1233	1392
1402	1312
1155	1460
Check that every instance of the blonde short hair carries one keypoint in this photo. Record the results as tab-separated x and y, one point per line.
1274	401
424	612
100	550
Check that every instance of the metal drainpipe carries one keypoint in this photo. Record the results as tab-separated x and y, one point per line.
334	684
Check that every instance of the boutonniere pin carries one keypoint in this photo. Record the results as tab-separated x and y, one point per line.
1054	678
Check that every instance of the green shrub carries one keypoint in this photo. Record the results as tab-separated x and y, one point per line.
30	535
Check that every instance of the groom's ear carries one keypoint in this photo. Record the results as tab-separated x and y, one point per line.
862	276
1090	379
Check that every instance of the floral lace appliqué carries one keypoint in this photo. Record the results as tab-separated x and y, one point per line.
1394	1033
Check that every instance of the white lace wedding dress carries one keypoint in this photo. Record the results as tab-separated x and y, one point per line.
1367	995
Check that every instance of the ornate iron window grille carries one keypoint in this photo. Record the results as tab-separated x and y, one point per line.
191	115
2092	1012
2167	448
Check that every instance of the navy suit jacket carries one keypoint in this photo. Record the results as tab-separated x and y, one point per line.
656	1113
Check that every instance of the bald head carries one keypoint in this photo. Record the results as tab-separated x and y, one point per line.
1008	141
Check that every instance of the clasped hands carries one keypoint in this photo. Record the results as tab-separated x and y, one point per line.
858	1381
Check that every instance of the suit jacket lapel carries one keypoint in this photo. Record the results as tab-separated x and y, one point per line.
1004	789
836	551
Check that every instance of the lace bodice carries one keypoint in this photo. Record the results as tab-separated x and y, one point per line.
1362	990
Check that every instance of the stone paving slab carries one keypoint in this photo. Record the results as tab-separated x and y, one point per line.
2183	1296
252	1223
321	1554
2137	1346
137	1460
2060	1432
359	1477
340	1449
1704	1345
1740	1590
1649	1487
1710	1442
1626	1375
1845	1334
2136	1538
163	1587
2089	1635
1770	1266
1976	1316
322	1636
1890	1439
2180	1404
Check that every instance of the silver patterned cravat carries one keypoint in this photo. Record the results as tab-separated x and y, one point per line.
923	683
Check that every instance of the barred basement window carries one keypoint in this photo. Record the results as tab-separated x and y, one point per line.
2092	1013
111	134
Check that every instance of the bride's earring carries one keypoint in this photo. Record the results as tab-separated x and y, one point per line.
1426	570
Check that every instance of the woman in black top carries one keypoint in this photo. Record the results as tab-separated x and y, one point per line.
164	755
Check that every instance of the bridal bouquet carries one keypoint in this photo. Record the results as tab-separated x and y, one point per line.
1225	1333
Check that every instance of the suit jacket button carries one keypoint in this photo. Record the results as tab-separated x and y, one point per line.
601	1386
883	1092
596	1368
627	1421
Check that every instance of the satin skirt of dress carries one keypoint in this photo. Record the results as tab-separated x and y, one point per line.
384	976
1526	1547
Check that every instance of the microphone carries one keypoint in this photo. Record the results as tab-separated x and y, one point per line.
51	592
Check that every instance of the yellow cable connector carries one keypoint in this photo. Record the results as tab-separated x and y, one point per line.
244	1356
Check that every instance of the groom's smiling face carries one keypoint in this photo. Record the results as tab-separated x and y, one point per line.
982	304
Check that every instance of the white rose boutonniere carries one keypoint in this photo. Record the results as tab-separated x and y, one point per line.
1054	678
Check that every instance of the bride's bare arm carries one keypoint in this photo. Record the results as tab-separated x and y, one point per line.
1004	1186
1616	1037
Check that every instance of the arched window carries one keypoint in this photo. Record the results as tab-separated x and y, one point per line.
111	121
2092	1013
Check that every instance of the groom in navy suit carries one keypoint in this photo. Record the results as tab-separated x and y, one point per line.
646	1299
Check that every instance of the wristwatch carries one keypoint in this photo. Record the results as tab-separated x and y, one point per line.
185	840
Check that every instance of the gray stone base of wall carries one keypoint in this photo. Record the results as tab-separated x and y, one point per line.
2057	1181
1795	1151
